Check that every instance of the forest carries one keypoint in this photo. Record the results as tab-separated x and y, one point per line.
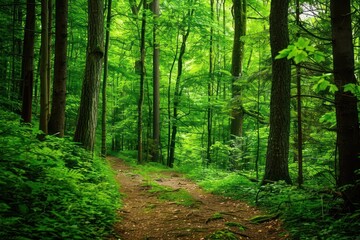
254	102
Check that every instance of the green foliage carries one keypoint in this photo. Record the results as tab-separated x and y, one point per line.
353	88
222	235
311	212
215	216
263	218
323	83
236	224
179	196
52	189
301	51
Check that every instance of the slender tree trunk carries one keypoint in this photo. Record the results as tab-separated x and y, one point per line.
237	113
345	102
142	79
299	110
177	94
87	119
57	117
168	162
44	67
278	143
50	11
156	86
27	75
209	90
103	116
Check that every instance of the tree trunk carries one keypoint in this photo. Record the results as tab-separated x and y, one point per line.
27	75
177	95
278	143
237	114
156	86
299	110
209	87
142	79
57	116
44	67
345	102
87	119
168	162
103	116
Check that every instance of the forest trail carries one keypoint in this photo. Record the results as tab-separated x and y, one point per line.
145	216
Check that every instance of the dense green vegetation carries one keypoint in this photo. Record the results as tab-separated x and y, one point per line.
51	188
235	94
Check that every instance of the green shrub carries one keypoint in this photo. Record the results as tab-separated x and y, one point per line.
52	189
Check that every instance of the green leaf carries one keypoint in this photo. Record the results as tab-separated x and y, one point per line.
300	57
350	87
319	57
302	43
333	88
283	53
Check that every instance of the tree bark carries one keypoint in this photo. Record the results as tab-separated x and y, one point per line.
299	140
209	87
44	67
278	143
87	119
142	79
156	86
103	115
237	114
177	95
27	75
57	116
345	102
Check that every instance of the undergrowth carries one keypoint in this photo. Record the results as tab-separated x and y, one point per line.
312	212
52	189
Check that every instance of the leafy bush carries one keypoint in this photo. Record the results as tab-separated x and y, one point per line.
52	189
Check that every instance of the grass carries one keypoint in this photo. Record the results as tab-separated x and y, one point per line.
178	196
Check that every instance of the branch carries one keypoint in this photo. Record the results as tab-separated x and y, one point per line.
318	97
314	69
255	115
312	34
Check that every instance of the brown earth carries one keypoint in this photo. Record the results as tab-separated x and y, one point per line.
144	216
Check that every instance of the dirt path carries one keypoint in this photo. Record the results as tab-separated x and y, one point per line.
144	216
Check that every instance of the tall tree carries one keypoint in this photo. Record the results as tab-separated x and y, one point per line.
347	120
27	73
177	93
44	67
156	85
237	113
87	118
106	60
278	143
57	116
299	139
209	87
142	79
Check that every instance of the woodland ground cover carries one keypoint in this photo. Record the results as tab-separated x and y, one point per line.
314	211
51	188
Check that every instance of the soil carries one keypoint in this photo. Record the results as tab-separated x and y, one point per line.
144	216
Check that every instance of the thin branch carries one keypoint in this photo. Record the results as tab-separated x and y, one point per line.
312	34
314	96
